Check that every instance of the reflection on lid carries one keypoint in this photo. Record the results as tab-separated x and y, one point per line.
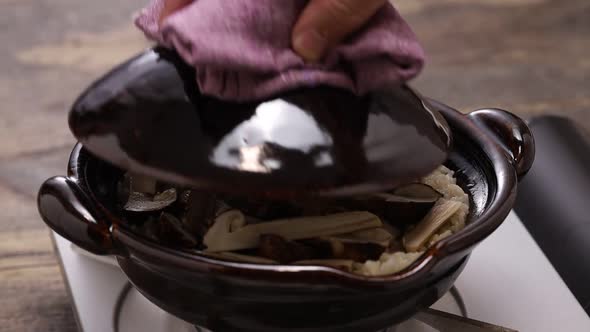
380	133
277	124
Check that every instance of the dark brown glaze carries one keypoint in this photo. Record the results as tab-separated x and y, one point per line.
238	304
69	211
511	133
227	296
147	116
64	196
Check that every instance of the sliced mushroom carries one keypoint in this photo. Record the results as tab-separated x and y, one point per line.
223	225
356	251
378	236
220	236
417	191
436	218
201	208
394	231
279	249
221	207
141	202
397	209
358	246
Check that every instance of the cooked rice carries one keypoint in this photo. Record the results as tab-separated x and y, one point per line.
442	180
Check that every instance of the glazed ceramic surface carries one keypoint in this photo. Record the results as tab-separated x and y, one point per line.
123	125
226	296
146	116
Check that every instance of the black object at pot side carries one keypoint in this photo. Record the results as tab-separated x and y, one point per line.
553	200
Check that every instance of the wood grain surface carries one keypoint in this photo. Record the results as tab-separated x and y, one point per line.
528	56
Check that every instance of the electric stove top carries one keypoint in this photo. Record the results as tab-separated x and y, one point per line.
507	282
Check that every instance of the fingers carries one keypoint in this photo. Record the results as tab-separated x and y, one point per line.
170	6
324	23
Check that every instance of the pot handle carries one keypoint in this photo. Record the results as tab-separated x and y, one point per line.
511	133
66	209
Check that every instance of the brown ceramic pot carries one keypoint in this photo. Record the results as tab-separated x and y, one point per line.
492	149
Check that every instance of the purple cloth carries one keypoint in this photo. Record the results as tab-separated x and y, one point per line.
241	49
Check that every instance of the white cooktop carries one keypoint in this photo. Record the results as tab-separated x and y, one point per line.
508	282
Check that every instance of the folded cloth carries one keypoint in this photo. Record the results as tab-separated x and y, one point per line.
241	49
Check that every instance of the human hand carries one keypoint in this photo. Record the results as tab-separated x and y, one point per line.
170	6
322	24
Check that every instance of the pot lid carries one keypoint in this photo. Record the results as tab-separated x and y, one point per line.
146	116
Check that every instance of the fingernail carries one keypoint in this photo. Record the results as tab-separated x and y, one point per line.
310	45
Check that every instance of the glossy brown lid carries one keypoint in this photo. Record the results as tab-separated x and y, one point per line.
148	117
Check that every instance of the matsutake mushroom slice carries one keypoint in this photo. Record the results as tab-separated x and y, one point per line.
200	210
358	252
378	236
358	246
279	249
418	191
223	225
409	208
141	202
443	210
221	237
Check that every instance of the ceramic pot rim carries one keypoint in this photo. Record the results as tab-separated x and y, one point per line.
128	244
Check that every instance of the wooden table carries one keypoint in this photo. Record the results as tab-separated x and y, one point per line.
528	56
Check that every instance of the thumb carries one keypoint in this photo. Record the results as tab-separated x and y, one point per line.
324	23
170	6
